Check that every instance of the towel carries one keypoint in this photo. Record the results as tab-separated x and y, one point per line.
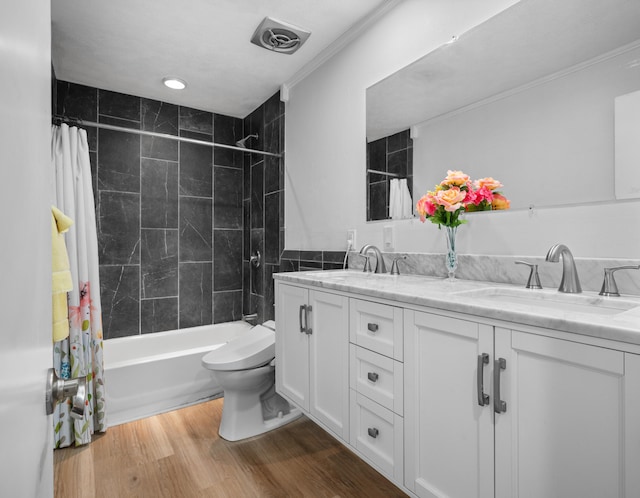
395	201
405	199
61	276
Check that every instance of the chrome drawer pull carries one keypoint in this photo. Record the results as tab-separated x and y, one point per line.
483	359
499	406
372	376
373	432
303	309
373	327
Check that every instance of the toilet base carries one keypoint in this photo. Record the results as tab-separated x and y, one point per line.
242	417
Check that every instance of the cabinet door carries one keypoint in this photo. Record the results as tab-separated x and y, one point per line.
292	345
563	432
448	435
329	361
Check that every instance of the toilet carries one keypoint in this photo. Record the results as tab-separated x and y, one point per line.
245	369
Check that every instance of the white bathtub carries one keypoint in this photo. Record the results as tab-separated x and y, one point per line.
154	373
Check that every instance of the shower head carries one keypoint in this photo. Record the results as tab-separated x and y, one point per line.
243	143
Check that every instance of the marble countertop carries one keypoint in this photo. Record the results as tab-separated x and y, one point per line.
615	318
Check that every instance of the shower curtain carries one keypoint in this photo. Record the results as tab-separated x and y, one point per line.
79	355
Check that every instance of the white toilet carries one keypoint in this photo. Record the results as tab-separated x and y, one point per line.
245	369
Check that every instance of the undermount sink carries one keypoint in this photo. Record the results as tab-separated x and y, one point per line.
552	299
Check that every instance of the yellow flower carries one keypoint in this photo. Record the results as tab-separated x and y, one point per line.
500	202
456	178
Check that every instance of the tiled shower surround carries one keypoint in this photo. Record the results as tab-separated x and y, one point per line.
178	222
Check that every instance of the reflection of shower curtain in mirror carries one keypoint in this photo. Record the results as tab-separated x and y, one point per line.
80	355
400	204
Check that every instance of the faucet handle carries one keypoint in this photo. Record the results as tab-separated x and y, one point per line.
609	286
534	279
367	263
394	265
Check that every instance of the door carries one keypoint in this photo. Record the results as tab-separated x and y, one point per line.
292	344
329	361
448	435
26	456
563	432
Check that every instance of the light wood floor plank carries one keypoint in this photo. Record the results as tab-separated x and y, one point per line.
180	455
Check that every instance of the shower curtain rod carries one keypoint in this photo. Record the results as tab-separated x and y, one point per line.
104	126
384	173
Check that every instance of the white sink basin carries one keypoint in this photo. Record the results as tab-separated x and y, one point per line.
552	299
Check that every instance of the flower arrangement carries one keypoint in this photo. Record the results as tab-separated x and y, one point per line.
456	194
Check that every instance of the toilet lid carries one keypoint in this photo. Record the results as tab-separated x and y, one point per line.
252	349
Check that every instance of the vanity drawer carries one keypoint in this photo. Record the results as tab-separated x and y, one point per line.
377	327
378	377
377	433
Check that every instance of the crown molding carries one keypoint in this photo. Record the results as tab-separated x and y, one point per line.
352	33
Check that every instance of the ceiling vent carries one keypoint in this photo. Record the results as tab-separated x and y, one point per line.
279	36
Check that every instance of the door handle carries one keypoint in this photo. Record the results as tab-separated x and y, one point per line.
372	376
499	406
58	389
303	308
483	399
372	327
308	330
373	432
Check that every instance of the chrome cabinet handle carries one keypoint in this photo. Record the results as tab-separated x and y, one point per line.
372	327
499	406
372	376
303	308
373	432
483	399
307	329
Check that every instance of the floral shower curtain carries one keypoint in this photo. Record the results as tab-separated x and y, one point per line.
79	355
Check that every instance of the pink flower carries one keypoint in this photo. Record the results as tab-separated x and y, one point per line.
451	199
483	194
425	206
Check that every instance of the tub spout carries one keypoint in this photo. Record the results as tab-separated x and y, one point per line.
570	282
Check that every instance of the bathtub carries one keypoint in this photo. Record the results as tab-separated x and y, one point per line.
154	373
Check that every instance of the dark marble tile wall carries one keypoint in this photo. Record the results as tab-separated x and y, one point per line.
263	206
311	260
170	214
392	154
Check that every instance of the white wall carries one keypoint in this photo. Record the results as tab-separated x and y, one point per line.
326	155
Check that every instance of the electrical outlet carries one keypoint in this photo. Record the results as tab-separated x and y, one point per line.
351	238
387	238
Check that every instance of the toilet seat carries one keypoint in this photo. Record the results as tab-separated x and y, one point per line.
255	348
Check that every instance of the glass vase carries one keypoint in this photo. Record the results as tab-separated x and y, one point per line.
451	258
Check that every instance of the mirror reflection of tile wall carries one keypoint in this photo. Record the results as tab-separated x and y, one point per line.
392	156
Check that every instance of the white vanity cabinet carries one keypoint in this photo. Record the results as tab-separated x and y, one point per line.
449	437
559	418
572	420
376	380
312	355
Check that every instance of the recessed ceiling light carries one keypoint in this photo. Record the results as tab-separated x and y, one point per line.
174	83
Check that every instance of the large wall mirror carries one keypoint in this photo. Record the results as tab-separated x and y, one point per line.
527	97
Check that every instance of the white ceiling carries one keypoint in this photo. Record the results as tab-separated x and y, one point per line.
528	41
129	46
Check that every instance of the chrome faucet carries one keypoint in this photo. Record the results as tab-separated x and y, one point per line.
380	267
570	282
